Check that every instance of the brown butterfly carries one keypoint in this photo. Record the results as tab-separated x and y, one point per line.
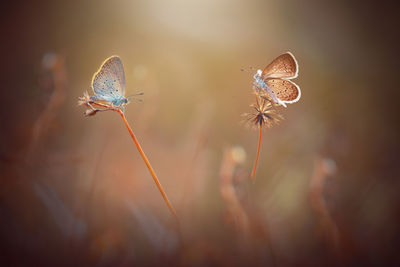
274	80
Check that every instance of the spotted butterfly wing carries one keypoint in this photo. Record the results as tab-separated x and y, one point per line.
286	91
285	66
109	81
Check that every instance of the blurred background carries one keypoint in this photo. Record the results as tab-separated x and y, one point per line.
75	191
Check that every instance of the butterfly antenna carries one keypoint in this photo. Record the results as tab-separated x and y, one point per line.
134	96
248	70
253	173
140	93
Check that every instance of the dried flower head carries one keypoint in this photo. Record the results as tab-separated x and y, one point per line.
84	100
93	106
264	113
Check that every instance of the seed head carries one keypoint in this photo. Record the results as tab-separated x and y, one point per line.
264	113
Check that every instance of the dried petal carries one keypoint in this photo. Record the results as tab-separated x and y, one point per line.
91	112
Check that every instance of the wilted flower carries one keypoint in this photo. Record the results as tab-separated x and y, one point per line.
93	106
84	100
264	114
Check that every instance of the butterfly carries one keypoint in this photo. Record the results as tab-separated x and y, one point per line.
108	83
274	80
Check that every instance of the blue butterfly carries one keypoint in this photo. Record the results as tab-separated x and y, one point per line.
108	83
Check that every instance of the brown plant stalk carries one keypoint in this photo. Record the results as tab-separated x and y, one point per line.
151	170
92	111
253	173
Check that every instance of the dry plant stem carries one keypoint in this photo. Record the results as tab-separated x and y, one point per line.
152	172
91	104
253	174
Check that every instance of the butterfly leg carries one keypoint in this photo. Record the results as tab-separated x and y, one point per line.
256	88
273	96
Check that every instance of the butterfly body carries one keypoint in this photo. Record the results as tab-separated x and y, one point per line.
108	83
274	80
115	101
260	83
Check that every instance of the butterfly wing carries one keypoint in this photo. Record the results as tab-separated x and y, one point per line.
109	81
286	91
285	66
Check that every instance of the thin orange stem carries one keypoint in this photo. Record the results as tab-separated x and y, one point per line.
253	174
152	172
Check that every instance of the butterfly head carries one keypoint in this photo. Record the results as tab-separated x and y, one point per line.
258	74
120	101
125	101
